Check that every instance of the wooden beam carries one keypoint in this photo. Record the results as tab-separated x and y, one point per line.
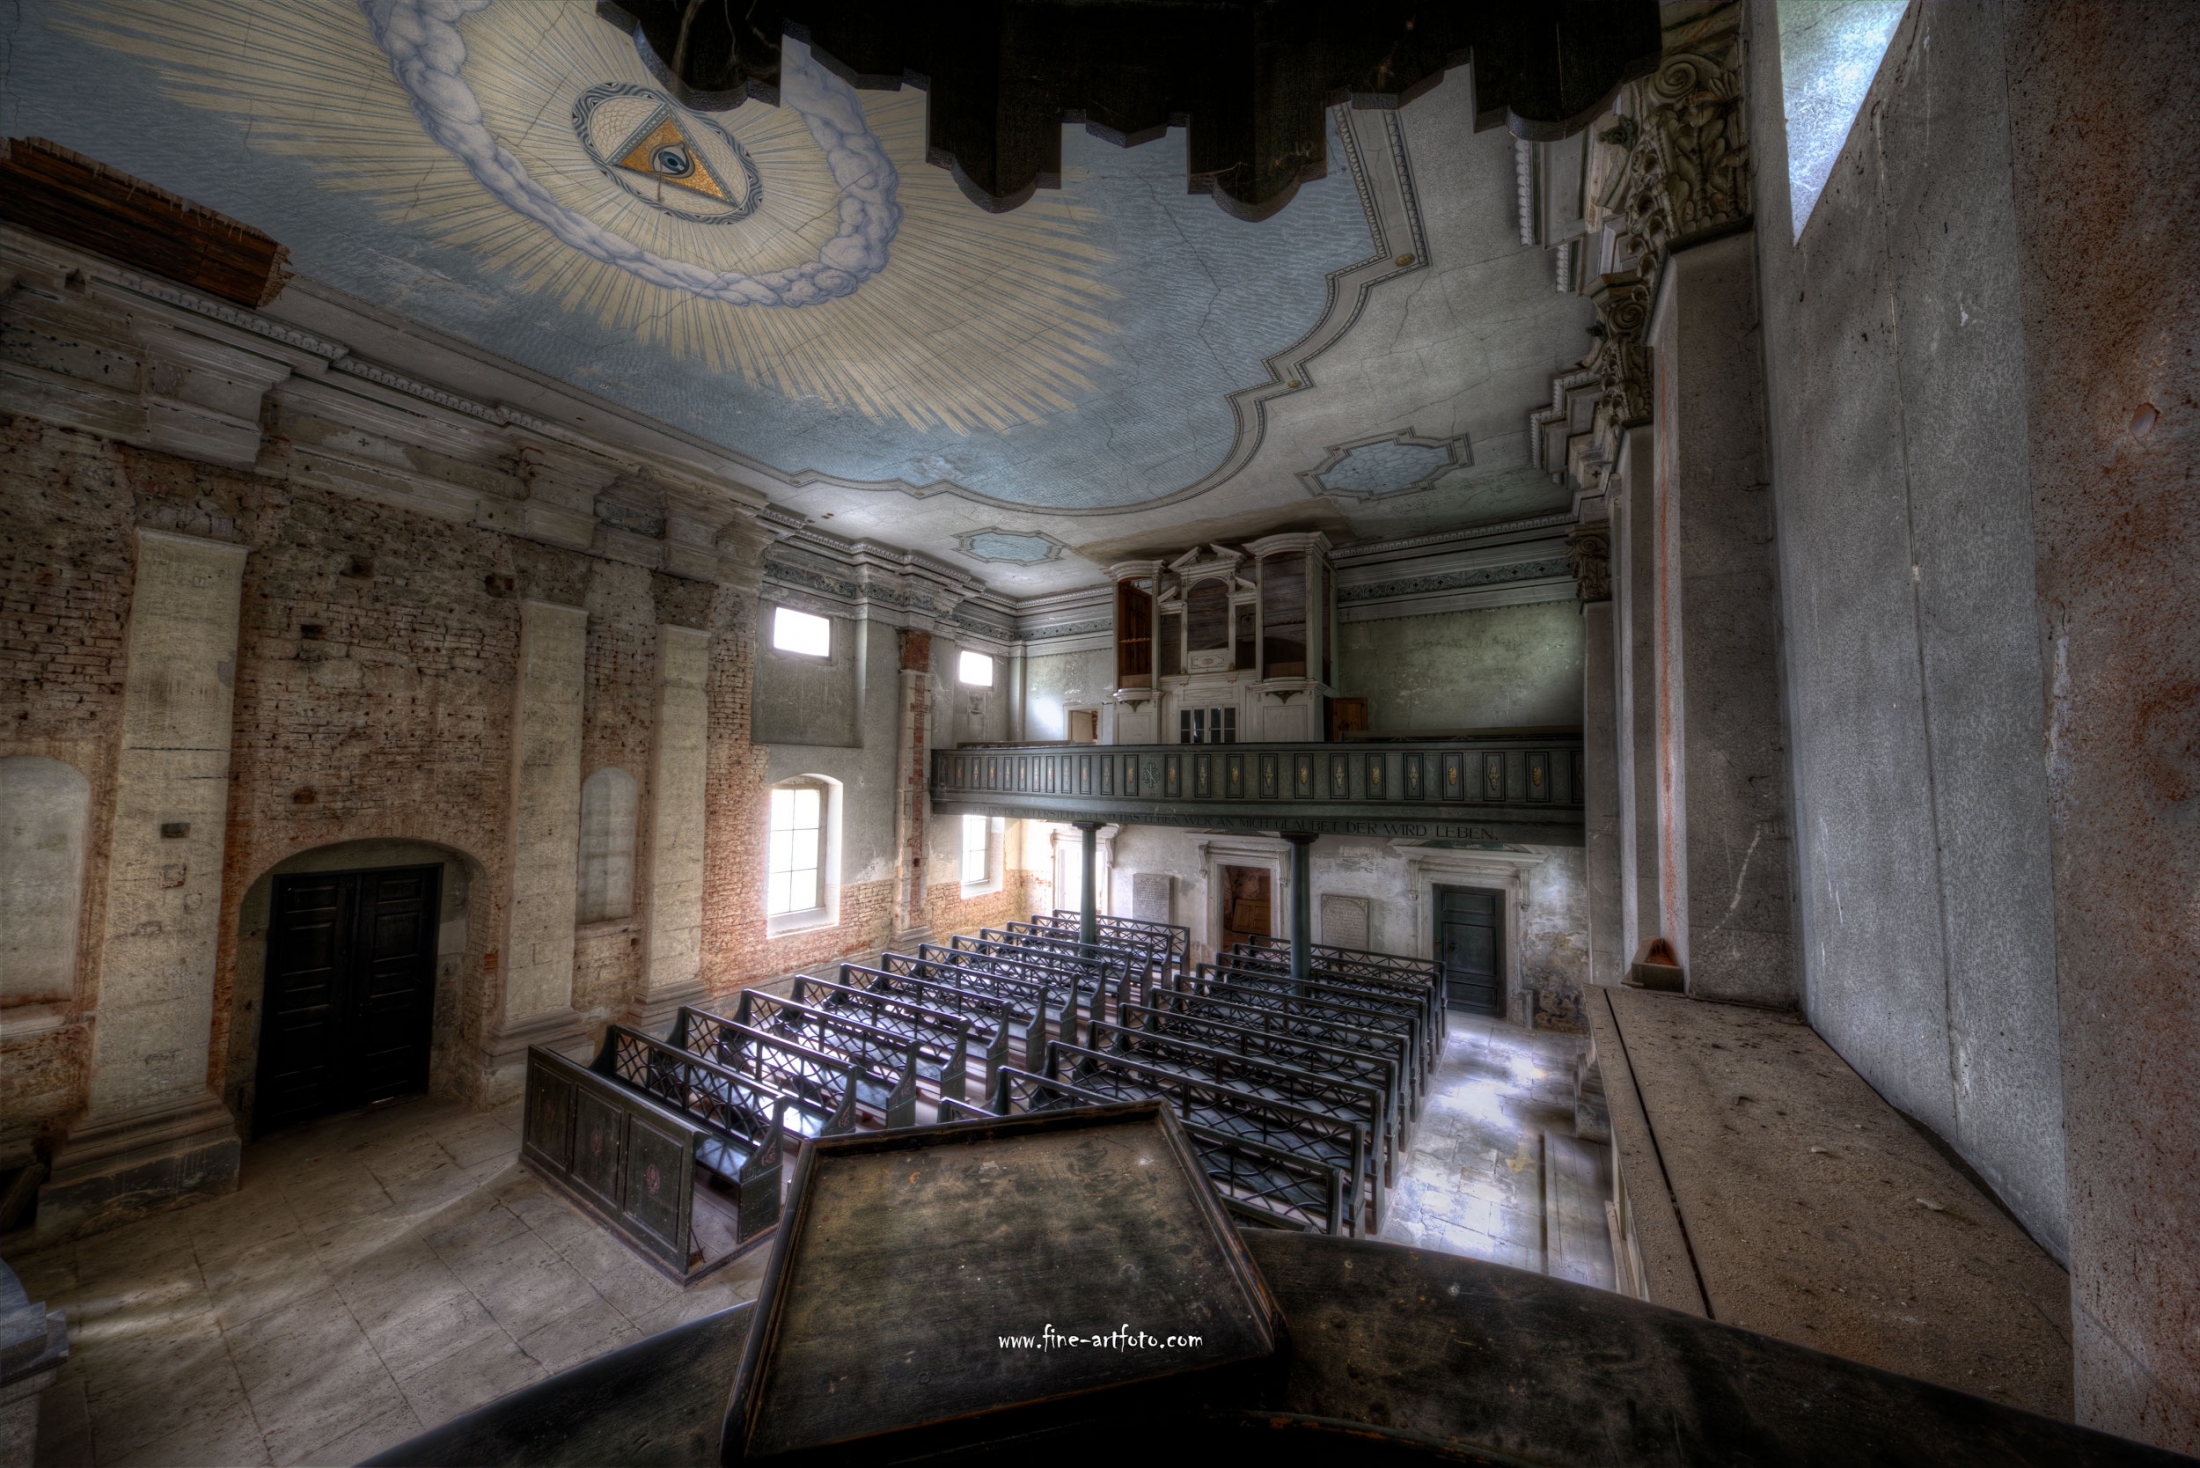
47	188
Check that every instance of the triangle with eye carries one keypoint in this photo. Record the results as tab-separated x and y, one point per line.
663	152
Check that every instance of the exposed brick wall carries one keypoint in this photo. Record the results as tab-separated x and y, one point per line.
65	571
948	911
374	686
377	655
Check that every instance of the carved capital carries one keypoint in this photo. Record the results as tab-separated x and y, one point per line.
1689	166
1589	552
1622	362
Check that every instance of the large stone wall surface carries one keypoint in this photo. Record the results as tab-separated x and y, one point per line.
2105	143
1490	668
1894	349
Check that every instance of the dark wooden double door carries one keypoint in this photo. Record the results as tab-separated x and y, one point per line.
1471	947
350	998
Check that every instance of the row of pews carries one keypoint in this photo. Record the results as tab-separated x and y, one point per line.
1299	1095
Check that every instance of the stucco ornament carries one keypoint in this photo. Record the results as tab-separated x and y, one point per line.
428	56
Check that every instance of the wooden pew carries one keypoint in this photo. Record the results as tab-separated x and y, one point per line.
1280	1047
1234	975
1260	1185
947	1040
821	1079
625	1137
884	1056
1137	956
1008	985
1177	940
1101	978
894	1002
1270	1007
1345	1100
1426	990
1249	1116
1067	984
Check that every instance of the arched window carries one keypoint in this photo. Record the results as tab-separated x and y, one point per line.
45	807
801	876
610	805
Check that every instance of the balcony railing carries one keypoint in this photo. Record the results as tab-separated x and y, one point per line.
1501	789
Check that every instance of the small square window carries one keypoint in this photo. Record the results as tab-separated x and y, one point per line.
799	632
975	669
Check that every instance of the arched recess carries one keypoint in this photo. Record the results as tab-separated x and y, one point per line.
611	805
45	821
462	939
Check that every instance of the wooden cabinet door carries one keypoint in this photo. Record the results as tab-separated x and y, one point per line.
1245	904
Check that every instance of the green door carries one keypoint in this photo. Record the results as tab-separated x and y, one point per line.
1467	942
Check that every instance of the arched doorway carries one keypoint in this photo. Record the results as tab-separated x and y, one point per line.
348	1003
350	962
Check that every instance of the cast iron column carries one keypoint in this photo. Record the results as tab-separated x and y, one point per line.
1302	903
1088	921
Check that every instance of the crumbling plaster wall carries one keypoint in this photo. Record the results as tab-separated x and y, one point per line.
1487	668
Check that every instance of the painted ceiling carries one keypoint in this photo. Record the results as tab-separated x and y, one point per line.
1116	364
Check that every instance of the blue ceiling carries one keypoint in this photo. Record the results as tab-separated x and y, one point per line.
794	283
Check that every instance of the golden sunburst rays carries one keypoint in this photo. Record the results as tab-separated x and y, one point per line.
978	321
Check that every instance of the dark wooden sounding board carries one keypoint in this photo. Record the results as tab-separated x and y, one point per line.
350	996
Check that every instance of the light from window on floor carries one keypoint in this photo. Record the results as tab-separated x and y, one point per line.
794	631
791	881
975	669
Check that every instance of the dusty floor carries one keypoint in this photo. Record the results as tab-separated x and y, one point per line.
1473	1183
376	1274
380	1273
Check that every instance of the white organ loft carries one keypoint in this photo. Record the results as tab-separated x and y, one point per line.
1223	646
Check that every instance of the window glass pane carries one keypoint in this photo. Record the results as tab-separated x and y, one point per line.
776	894
782	809
794	631
805	809
802	891
974	849
975	669
804	850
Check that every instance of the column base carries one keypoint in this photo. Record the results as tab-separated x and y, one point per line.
910	937
653	1013
502	1075
119	1169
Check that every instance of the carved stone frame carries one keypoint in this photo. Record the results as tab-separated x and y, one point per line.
1430	867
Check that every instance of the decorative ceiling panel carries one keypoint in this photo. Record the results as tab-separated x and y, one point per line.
795	283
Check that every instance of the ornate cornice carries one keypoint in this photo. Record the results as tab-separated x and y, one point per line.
1535	570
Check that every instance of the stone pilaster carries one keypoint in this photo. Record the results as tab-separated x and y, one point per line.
912	798
1724	843
542	851
678	783
153	1133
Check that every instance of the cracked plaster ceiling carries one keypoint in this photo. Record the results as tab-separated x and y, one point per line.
1116	366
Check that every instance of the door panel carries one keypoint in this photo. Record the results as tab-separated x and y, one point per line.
349	996
1470	947
1245	904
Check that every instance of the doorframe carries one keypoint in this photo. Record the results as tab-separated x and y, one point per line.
1503	872
275	881
1231	849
